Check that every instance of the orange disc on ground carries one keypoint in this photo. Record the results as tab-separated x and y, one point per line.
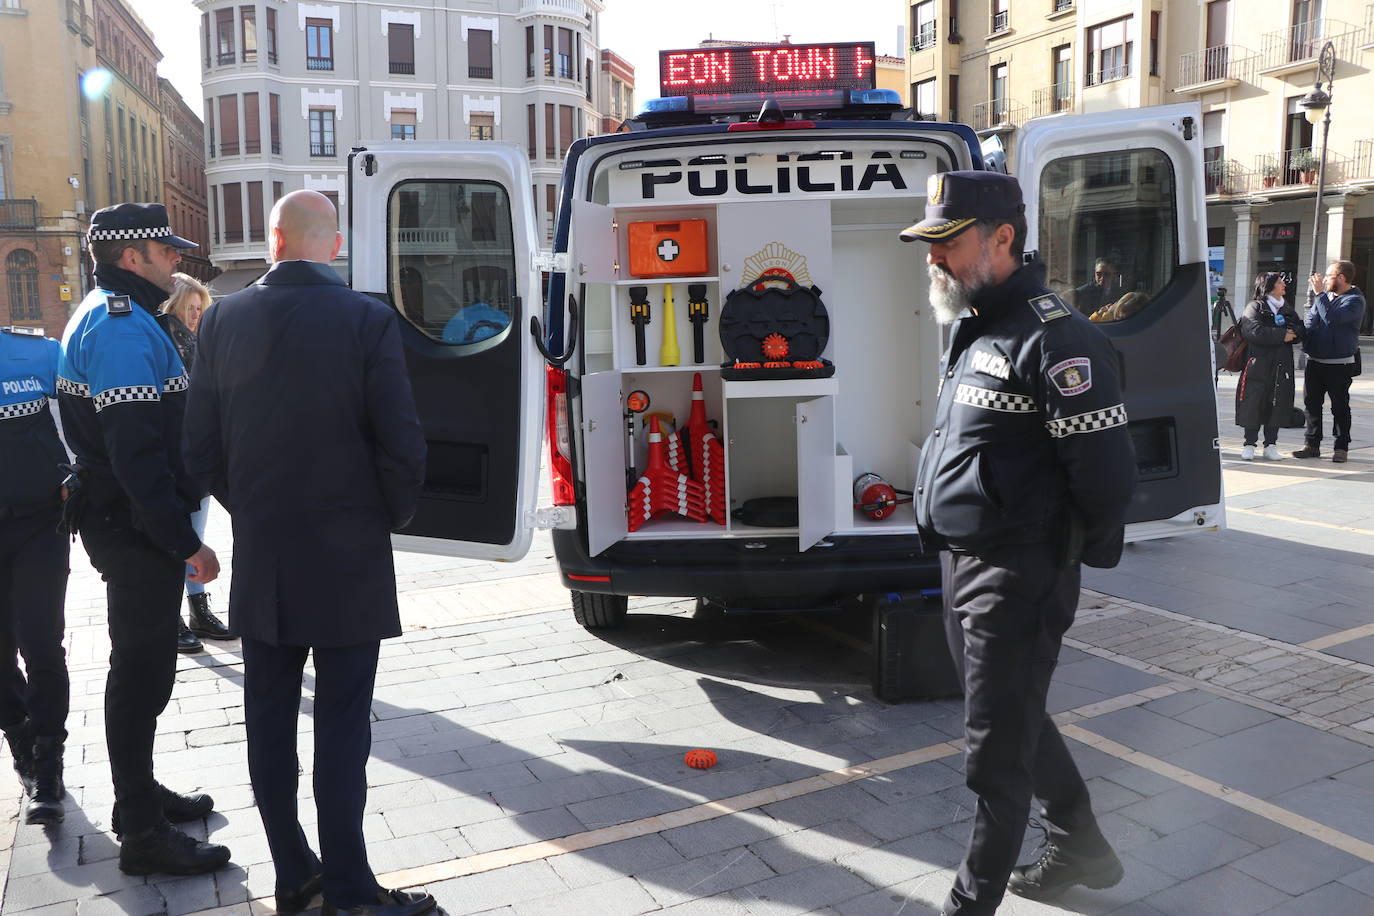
700	759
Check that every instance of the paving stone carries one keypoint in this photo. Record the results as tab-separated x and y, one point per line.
1175	809
1251	827
1329	898
502	887
604	864
1220	892
1299	865
705	876
188	895
1194	850
820	807
905	859
821	884
1247	759
805	848
622	897
501	833
141	899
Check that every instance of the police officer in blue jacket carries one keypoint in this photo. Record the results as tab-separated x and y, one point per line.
33	570
1026	474
122	390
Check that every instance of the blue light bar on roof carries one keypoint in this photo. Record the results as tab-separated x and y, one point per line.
666	104
875	97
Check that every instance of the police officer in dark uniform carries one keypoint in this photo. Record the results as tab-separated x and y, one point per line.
1026	474
122	390
33	570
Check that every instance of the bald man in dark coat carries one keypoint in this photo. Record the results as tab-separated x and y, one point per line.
302	423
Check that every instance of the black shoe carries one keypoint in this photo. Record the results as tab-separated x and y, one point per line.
166	850
294	901
186	640
203	623
48	789
20	739
177	808
1308	451
1059	869
389	903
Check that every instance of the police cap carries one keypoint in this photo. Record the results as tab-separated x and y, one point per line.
135	221
955	200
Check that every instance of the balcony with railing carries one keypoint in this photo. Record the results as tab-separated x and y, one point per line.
1298	168
18	214
1107	74
998	115
574	8
405	67
479	73
1054	99
1225	177
1295	49
925	37
321	149
1063	6
1222	67
1368	40
1362	166
319	63
1001	21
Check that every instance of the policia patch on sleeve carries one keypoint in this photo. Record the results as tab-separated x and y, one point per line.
1049	307
116	306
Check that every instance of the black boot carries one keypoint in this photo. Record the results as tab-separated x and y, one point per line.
1060	867
166	850
176	807
46	805
20	740
203	623
186	640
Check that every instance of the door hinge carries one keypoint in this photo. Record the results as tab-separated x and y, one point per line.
1189	125
554	262
552	517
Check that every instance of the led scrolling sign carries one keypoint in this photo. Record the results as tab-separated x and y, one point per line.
765	69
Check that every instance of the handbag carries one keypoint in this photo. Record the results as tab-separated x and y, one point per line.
1237	349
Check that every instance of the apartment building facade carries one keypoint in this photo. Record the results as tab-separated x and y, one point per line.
994	64
291	87
183	182
617	81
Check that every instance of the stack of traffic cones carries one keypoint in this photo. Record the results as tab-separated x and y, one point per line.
707	454
661	490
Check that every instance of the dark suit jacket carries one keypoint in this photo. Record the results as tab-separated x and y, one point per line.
302	423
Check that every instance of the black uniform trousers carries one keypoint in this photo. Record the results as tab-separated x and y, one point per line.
1320	380
344	679
143	586
34	562
1006	611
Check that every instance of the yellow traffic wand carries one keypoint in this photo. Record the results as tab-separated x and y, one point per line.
668	354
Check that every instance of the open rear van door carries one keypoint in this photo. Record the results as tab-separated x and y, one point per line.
457	262
1115	206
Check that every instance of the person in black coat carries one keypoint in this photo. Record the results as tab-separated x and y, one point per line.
302	423
1264	392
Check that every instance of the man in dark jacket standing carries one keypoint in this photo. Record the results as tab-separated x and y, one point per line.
302	422
1332	342
1026	474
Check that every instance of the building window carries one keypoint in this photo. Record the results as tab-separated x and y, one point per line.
482	127
214	212
1214	151
233	213
1001	15
1061	93
550	210
248	19
400	39
565	129
322	132
274	121
402	125
999	76
923	99
531	141
319	44
1109	52
277	191
224	35
479	54
22	269
229	125
548	50
256	232
334	199
565	58
550	134
923	25
252	126
271	35
531	53
1154	43
205	39
954	97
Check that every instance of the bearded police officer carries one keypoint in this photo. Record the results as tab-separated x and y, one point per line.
1026	474
122	390
33	569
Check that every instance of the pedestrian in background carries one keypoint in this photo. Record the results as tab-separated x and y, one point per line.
1331	340
180	316
1027	474
33	570
303	424
122	390
1265	390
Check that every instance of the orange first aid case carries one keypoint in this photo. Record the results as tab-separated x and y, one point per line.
669	249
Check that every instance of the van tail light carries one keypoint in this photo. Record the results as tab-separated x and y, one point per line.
560	437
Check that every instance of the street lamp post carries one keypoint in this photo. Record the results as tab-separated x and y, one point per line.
1317	107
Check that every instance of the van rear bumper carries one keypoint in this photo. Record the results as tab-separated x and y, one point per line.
728	569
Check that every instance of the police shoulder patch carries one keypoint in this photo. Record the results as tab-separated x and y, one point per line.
1049	307
1072	376
116	306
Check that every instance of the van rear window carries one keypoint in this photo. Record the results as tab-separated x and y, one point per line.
451	258
1109	230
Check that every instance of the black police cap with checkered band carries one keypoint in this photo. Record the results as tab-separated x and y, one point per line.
135	221
956	200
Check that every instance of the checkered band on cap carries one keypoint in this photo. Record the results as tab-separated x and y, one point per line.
26	409
1005	401
113	235
76	389
126	394
1089	422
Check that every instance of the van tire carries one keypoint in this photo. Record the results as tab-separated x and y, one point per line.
600	612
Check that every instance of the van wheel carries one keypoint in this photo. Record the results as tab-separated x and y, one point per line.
599	612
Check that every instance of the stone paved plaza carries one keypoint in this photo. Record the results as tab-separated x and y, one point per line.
1217	690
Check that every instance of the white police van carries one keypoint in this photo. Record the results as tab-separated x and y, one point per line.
759	255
